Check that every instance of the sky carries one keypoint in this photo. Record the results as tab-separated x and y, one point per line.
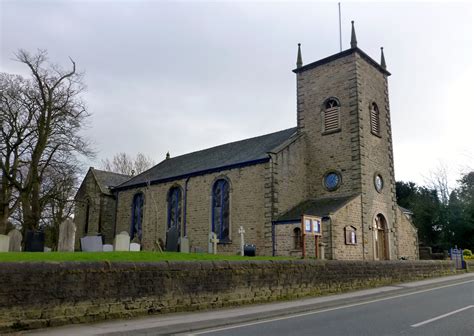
187	75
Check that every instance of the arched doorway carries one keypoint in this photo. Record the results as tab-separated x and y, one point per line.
380	238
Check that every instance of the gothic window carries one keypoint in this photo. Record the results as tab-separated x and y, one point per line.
88	210
298	242
137	216
331	116
220	210
374	119
351	235
174	208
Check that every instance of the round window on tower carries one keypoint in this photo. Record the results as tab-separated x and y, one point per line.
378	182
332	180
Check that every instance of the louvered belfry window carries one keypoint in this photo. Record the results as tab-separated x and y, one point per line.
331	115
374	119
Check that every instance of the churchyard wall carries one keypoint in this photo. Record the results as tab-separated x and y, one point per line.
48	294
247	209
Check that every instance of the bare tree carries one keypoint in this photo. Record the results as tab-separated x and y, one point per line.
123	163
438	180
52	114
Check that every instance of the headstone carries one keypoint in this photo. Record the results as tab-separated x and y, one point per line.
172	237
184	246
213	243
4	243
34	241
108	248
67	236
47	249
242	243
15	240
91	244
322	247
134	247
122	242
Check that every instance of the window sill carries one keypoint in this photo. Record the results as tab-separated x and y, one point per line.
376	134
331	132
224	242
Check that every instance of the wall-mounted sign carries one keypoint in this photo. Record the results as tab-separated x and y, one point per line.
311	225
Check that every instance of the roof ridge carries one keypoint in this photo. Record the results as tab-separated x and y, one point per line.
110	172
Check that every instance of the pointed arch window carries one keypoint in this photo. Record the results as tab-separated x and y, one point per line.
297	239
331	116
350	233
87	218
221	210
174	208
374	119
137	216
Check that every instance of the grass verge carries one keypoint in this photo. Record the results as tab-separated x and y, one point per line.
143	256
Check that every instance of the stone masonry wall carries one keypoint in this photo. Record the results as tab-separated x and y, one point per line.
348	215
407	237
247	199
49	294
376	155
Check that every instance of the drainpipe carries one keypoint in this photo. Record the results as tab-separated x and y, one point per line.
185	205
273	238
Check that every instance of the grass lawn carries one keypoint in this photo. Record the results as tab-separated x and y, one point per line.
143	256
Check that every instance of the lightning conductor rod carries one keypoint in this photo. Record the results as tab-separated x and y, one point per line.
340	34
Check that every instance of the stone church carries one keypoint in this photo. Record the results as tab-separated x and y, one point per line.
336	164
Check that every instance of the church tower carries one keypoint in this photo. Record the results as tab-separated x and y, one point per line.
344	116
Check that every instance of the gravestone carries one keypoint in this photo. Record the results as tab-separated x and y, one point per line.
135	247
47	249
242	242
172	237
184	245
67	236
15	240
34	241
212	247
4	243
108	248
91	244
122	242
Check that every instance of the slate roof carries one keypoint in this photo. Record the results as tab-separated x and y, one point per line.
231	155
315	207
106	180
405	210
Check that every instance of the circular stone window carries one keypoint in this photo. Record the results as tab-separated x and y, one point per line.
378	181
332	180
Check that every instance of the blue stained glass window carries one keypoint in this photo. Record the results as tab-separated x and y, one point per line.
137	216
332	181
174	208
220	210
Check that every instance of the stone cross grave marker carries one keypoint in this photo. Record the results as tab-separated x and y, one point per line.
242	242
213	243
122	242
4	243
15	240
67	236
91	244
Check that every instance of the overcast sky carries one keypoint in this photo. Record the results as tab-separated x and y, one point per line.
183	76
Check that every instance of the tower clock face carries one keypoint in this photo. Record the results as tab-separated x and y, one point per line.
332	181
378	183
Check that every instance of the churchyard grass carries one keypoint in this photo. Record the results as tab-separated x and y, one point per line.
143	256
